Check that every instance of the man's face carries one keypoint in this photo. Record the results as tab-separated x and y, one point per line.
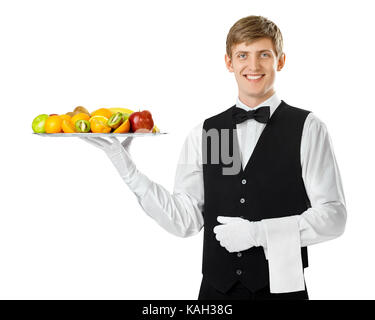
255	67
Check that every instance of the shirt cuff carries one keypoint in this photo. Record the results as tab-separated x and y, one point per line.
284	254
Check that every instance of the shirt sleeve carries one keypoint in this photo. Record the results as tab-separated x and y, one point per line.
325	220
180	213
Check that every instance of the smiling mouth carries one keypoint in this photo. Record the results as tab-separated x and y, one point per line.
254	78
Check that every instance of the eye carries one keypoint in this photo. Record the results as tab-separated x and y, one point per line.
242	54
266	54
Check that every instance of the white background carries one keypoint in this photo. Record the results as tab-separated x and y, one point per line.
70	228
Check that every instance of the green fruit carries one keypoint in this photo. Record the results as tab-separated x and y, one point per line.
82	125
38	123
115	120
125	116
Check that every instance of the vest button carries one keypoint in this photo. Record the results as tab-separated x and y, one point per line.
243	181
239	254
239	271
242	200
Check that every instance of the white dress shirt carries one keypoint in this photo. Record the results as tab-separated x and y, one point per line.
180	213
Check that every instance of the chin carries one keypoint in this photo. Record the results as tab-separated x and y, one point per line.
255	94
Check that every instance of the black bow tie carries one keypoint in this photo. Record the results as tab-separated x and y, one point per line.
261	114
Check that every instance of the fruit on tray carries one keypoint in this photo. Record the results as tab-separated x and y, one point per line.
115	120
68	127
71	114
141	121
102	120
125	116
99	124
53	124
122	110
39	123
81	109
125	127
80	116
82	125
105	112
65	117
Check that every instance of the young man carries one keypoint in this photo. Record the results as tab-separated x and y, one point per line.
279	192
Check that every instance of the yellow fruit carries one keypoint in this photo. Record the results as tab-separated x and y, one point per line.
125	127
67	126
122	110
102	112
80	116
155	129
53	124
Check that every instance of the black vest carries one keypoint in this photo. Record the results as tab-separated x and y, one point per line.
270	186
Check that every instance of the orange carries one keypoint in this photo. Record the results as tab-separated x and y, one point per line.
102	112
65	117
53	124
125	127
100	118
67	126
99	124
80	116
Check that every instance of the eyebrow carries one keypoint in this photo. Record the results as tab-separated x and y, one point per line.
257	51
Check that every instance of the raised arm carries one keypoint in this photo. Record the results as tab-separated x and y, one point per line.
180	212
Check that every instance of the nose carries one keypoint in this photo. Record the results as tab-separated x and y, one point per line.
254	63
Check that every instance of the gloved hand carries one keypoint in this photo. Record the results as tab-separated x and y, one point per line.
238	234
117	152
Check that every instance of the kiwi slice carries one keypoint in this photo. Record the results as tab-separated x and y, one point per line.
115	120
82	125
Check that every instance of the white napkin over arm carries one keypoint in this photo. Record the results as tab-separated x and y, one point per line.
284	254
325	220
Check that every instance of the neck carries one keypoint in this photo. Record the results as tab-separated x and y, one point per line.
252	101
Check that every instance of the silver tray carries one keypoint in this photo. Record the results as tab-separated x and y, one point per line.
90	134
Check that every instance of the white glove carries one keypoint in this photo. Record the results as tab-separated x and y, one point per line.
119	155
117	152
238	234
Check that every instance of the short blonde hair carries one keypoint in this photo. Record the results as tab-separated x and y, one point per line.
250	28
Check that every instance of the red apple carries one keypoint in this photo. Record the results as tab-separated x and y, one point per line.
141	121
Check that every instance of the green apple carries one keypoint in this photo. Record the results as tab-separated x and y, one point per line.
125	116
38	123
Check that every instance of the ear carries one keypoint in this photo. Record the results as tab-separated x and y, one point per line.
228	63
281	62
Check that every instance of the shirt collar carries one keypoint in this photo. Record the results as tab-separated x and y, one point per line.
273	102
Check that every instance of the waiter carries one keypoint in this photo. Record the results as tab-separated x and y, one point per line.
260	176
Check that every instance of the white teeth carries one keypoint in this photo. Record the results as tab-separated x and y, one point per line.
254	77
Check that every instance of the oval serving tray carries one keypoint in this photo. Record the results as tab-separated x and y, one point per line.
90	134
